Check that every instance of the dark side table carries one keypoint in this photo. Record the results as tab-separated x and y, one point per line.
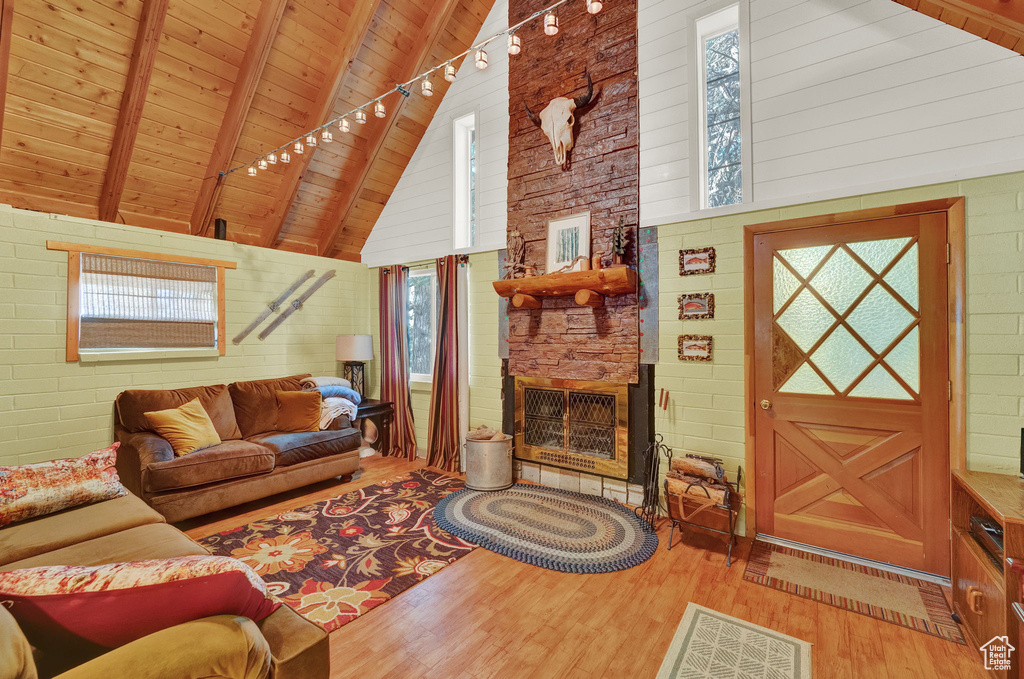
382	414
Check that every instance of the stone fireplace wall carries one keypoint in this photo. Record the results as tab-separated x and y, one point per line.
563	340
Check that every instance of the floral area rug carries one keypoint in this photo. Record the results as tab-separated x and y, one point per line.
337	559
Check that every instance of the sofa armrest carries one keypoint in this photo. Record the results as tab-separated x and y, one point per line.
220	646
299	648
138	450
15	652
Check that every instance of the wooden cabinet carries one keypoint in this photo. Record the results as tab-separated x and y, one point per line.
983	591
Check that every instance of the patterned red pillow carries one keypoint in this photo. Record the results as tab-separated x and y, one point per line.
31	490
114	604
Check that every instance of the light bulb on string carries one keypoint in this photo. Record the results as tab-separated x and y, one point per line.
449	72
379	110
263	164
272	158
286	157
310	139
551	23
361	117
298	148
427	88
252	171
326	136
515	45
344	125
594	6
481	59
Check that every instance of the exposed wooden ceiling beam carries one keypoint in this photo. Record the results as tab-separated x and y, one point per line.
441	14
147	44
255	58
6	19
999	21
356	31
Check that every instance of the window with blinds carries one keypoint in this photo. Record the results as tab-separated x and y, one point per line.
140	303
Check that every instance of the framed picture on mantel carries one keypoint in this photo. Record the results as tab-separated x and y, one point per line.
568	238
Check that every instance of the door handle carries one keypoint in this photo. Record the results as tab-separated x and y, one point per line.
766	404
974	598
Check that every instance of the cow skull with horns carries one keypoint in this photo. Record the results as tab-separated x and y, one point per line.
557	120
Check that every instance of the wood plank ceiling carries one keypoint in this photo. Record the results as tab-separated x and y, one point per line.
998	21
127	110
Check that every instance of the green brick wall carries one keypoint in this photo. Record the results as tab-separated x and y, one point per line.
51	409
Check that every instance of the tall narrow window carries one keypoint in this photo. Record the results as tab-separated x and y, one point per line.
718	56
464	213
422	324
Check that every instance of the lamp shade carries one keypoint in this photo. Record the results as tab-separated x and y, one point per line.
354	348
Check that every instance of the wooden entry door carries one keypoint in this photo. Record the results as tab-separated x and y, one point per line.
852	388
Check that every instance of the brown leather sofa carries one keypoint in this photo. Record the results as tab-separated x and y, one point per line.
253	460
125	529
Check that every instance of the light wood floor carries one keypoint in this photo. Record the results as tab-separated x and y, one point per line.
490	616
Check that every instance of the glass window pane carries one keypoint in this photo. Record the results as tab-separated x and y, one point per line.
878	253
785	285
841	358
841	281
805	259
421	323
905	359
903	277
880	384
879	319
806	381
722	119
806	320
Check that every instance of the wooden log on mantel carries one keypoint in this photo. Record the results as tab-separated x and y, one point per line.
608	282
521	301
589	298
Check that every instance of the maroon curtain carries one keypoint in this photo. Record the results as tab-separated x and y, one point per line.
394	365
443	433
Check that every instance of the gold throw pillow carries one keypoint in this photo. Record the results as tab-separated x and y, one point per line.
298	411
187	428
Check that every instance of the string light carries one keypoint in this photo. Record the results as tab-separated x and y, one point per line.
551	24
594	6
449	71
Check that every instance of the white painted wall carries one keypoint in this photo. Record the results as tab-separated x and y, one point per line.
847	96
416	223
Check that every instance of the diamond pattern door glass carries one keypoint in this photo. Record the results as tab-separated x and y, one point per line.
858	347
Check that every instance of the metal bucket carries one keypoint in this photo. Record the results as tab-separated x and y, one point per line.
489	464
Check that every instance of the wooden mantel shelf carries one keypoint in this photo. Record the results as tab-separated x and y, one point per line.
589	287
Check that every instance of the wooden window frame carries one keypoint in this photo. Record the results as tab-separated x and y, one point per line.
75	251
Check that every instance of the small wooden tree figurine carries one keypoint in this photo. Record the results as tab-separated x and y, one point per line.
620	241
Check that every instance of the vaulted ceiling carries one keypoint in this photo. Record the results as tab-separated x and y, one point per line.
998	21
129	110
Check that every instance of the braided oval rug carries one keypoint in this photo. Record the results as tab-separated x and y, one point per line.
548	527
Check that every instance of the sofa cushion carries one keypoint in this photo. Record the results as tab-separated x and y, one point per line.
15	652
132	405
152	541
256	403
110	605
187	428
292	448
42	488
54	531
298	411
222	462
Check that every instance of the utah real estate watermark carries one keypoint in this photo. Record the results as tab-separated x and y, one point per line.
996	653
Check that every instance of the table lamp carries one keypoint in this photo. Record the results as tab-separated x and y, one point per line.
354	350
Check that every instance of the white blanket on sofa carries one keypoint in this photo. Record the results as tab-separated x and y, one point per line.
331	408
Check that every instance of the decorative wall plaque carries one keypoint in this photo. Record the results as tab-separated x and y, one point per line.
695	305
695	347
696	261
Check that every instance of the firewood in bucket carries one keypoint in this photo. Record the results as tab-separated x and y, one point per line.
483	433
694	466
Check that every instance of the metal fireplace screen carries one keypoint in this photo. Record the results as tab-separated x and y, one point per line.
579	425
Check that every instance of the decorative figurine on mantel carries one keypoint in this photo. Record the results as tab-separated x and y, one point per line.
515	258
620	242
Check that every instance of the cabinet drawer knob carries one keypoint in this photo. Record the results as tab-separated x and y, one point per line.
974	598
